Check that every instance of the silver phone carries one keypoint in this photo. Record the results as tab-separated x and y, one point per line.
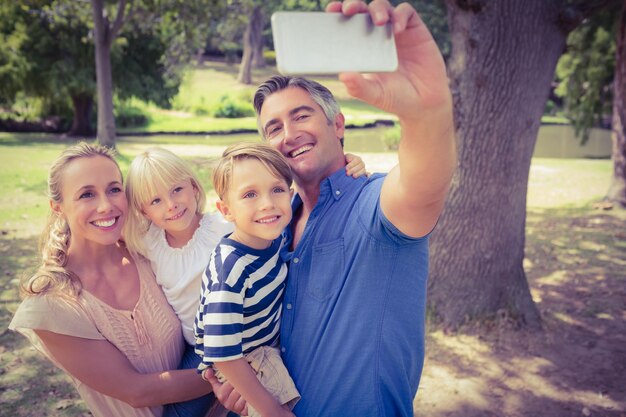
329	43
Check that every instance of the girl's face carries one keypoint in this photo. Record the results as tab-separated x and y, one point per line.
173	209
94	204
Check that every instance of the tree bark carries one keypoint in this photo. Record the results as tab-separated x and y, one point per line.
503	58
251	40
83	105
617	189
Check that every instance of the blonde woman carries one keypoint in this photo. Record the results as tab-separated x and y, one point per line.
93	309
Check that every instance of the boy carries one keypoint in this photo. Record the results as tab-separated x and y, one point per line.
239	314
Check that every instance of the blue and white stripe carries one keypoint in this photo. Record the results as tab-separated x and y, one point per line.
241	301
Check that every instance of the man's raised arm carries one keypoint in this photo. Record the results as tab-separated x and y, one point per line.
414	192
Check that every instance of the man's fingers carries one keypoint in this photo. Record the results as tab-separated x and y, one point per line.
360	87
381	11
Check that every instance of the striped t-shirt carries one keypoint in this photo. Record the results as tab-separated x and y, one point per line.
240	302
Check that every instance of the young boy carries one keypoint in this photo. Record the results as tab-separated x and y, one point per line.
239	314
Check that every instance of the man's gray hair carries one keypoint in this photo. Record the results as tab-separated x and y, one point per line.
320	95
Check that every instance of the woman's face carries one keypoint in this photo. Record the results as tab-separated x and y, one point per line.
94	204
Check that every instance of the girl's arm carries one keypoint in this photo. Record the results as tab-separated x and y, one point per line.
355	166
101	366
241	375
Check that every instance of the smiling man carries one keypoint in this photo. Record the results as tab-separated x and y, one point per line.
352	332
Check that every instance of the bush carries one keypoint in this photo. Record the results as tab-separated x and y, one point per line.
230	108
270	57
130	116
391	138
200	110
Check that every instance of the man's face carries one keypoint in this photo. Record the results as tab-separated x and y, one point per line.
296	126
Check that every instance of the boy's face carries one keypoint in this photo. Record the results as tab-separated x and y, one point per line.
257	202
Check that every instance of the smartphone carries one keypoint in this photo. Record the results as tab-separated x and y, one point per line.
329	43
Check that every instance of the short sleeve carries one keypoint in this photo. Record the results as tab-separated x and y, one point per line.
54	314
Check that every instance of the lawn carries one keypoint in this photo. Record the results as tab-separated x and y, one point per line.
203	87
575	264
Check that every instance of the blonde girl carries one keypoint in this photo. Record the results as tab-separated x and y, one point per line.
94	309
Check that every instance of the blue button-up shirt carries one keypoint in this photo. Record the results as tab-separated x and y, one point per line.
352	331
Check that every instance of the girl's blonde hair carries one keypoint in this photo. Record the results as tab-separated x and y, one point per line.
52	276
155	168
273	160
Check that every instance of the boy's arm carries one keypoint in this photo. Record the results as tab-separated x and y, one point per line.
242	377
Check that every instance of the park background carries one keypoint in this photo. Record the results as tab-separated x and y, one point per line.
530	215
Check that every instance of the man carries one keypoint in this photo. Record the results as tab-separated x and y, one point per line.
352	332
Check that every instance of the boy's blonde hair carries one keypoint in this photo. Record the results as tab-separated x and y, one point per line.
52	276
153	169
273	160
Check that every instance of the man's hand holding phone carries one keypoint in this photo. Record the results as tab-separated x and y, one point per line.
420	84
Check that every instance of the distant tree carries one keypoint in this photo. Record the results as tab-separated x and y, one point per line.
256	19
617	189
591	78
501	66
179	22
105	32
585	71
56	52
13	64
252	43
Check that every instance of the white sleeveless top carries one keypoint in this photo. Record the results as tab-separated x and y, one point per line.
179	270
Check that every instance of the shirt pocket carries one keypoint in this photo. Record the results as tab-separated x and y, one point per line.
327	270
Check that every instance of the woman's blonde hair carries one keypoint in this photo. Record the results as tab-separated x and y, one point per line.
153	169
52	276
273	160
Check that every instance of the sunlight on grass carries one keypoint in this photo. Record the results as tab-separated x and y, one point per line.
567	182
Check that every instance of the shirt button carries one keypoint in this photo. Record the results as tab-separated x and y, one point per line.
282	349
296	260
337	192
288	306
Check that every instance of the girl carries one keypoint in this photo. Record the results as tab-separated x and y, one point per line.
95	310
167	226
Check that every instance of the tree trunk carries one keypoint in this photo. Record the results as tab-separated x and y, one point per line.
617	189
251	40
104	78
258	60
83	105
504	54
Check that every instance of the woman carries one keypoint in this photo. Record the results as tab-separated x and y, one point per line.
92	309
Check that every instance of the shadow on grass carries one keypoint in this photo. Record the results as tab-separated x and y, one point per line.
576	267
29	384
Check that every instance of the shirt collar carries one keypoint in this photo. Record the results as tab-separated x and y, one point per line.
337	183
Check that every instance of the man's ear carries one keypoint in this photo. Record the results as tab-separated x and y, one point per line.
222	206
340	126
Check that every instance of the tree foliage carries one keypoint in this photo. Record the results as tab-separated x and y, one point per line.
585	71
